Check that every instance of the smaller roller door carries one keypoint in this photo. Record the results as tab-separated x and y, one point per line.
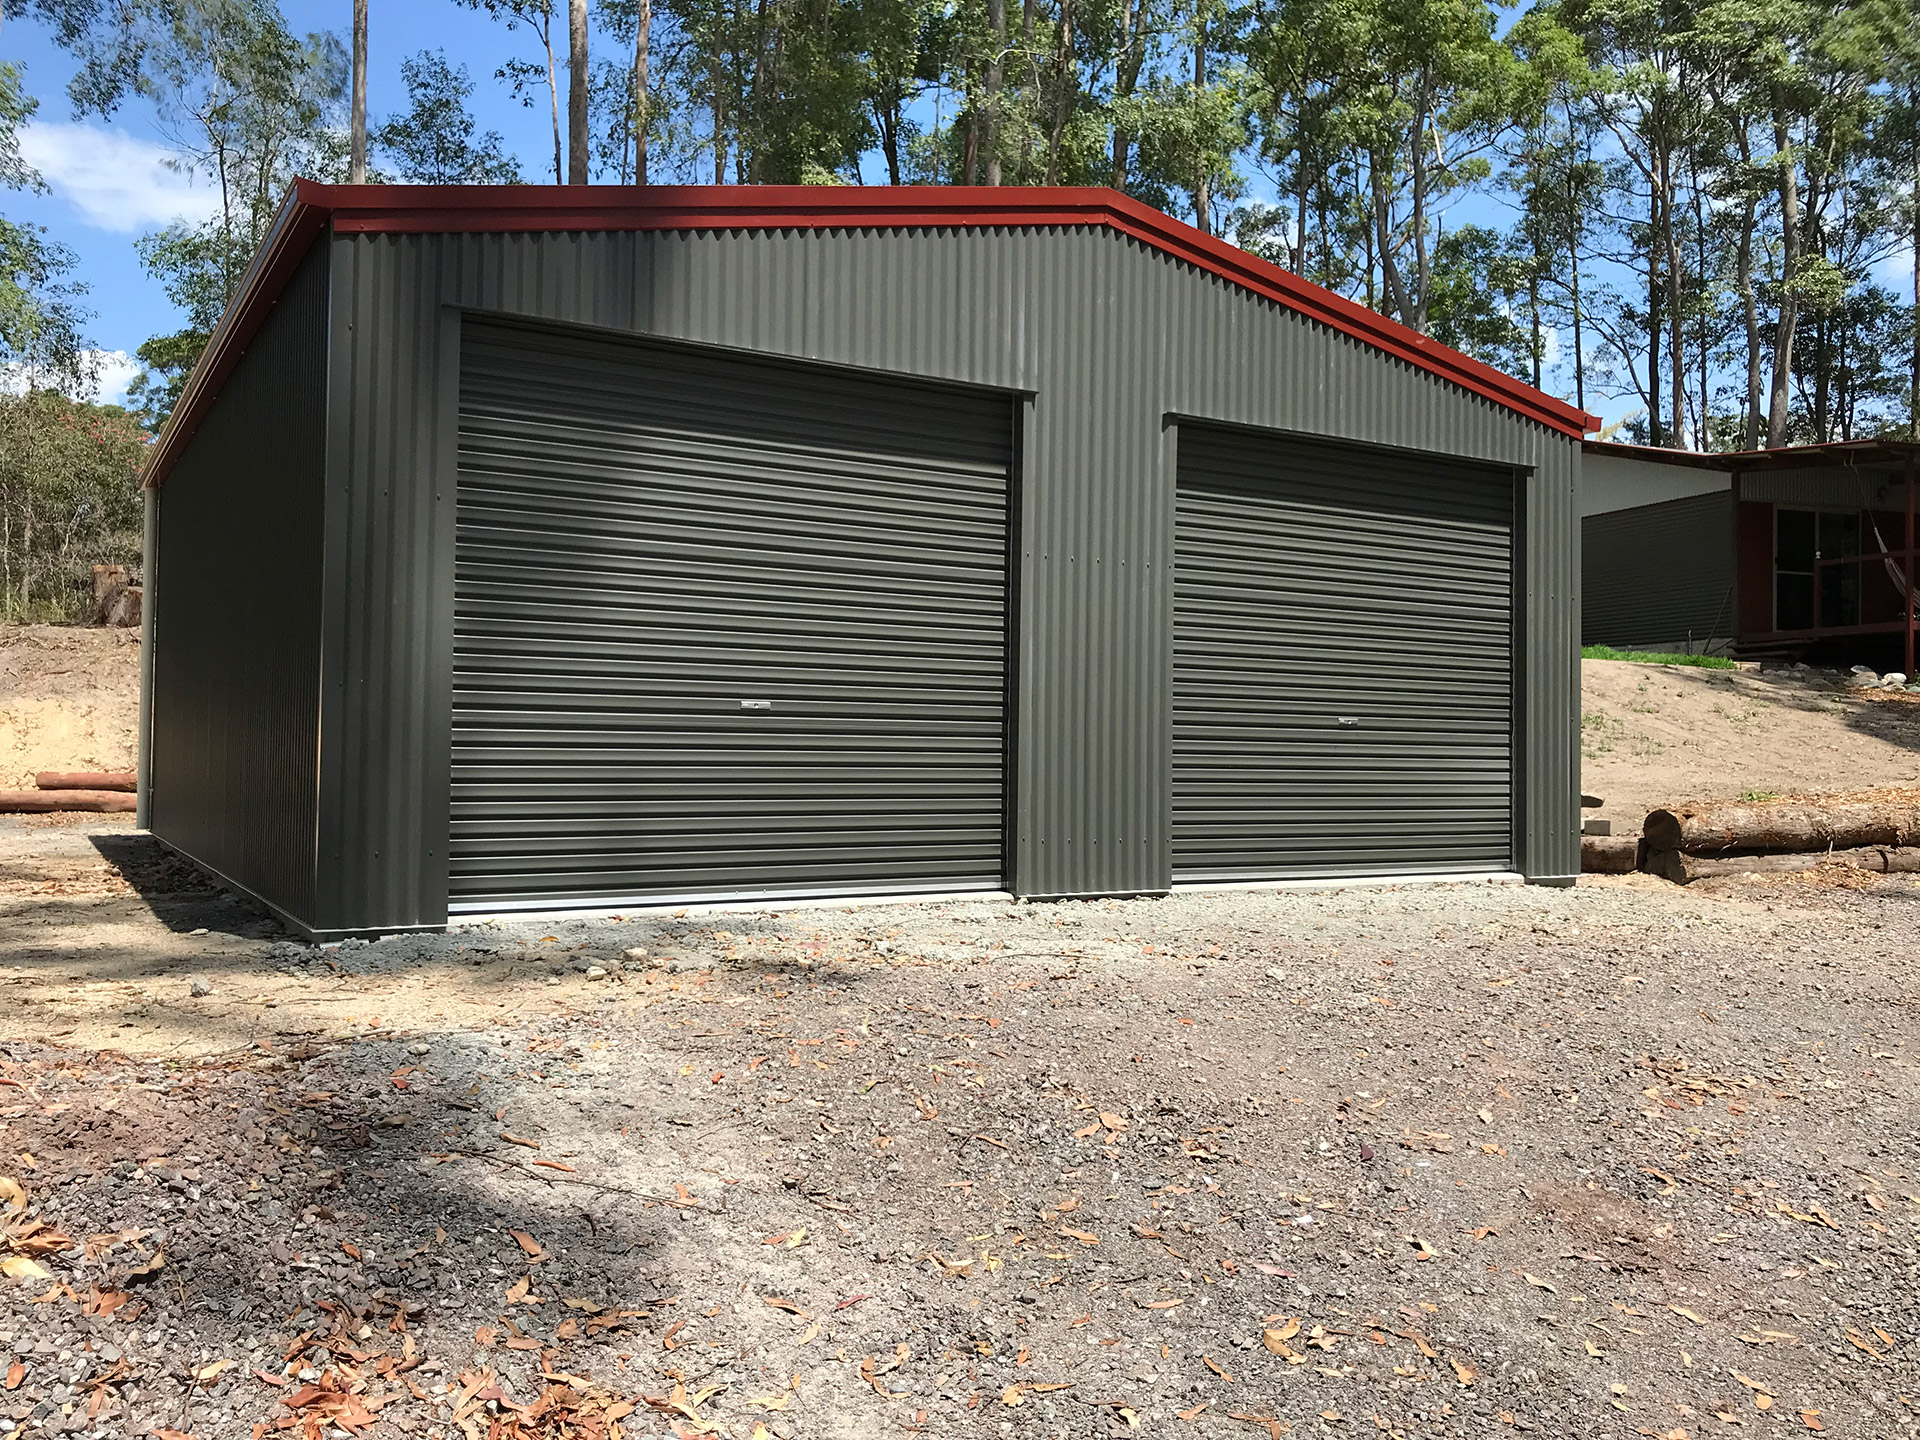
723	627
1343	661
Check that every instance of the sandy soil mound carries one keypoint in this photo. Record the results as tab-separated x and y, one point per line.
1655	735
69	700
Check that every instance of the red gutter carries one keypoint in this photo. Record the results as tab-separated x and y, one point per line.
470	209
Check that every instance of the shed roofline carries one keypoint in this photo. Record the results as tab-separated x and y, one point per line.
1838	452
468	209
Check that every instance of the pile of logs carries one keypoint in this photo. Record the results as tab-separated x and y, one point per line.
79	790
1735	837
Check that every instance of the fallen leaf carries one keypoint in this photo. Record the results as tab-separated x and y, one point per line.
206	1373
1160	1304
1811	1419
513	1139
789	1238
1424	1345
518	1290
667	1341
809	1335
529	1244
1275	1338
1194	1414
16	1372
1207	1360
14	1197
553	1165
787	1305
20	1267
1538	1283
771	1402
1462	1369
1083	1236
1686	1314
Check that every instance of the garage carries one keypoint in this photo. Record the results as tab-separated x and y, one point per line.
655	547
1343	661
723	628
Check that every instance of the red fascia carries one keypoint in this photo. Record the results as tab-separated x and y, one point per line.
471	209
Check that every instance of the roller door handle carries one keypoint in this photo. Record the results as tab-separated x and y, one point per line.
1347	721
756	704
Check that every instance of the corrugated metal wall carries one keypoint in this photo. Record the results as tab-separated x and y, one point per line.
1656	575
1107	337
234	726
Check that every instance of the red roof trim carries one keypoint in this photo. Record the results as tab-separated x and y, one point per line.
446	209
1832	453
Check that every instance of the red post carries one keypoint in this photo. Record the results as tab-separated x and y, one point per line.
1912	567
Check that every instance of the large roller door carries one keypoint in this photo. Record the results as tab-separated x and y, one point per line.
723	627
1343	661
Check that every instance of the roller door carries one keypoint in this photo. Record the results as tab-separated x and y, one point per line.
724	628
1343	661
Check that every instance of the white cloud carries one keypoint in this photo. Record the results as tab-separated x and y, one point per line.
117	370
113	371
116	181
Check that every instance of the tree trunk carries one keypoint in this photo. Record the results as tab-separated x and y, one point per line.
996	79
642	42
1655	424
1676	311
1422	265
1389	268
717	80
1783	330
1066	90
577	153
1125	75
1202	187
357	167
553	96
1750	316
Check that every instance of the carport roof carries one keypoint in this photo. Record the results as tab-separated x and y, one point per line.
468	209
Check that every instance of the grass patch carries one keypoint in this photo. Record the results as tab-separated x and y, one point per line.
1655	657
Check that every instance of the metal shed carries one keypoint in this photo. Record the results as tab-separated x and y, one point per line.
539	548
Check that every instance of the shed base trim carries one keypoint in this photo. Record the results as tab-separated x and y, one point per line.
1357	882
466	916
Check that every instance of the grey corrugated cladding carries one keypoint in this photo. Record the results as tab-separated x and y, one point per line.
1104	338
235	545
1658	574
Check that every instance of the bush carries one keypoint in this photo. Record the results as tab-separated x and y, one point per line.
69	500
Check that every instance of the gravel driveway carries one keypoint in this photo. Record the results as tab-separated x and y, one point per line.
1617	1161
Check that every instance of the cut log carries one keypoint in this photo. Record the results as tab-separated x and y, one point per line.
1732	827
1609	854
123	612
109	581
1680	868
85	780
42	802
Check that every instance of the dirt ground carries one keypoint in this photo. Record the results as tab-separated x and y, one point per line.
1654	735
1613	1161
69	700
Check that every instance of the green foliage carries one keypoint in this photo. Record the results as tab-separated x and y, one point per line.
434	142
41	317
1656	657
69	500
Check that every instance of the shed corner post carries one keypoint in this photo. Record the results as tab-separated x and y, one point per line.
149	568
